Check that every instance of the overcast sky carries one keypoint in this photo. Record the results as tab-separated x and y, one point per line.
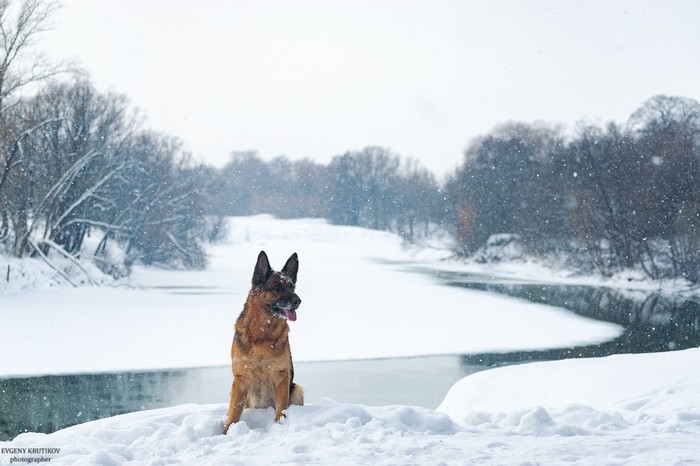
318	78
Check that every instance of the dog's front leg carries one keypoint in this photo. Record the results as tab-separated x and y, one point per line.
281	394
236	402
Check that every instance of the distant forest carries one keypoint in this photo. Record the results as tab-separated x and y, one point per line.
76	164
606	198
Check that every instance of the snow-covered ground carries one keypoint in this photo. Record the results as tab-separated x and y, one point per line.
632	409
358	302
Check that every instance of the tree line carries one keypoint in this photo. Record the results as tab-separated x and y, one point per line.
612	197
372	187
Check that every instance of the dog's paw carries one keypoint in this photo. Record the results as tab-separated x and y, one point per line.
282	419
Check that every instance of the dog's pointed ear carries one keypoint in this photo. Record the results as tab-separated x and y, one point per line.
262	270
291	268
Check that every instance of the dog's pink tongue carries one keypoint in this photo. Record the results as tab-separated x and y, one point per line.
291	314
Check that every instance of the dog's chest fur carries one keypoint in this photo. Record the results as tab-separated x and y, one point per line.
260	352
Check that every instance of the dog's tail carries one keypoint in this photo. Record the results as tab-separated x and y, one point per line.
296	395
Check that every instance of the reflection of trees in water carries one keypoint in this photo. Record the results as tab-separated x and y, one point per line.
653	321
45	404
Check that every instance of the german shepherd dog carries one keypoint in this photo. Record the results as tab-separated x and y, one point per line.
263	373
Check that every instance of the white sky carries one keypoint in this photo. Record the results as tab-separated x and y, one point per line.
318	78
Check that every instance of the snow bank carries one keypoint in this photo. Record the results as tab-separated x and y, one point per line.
33	274
358	301
631	409
643	388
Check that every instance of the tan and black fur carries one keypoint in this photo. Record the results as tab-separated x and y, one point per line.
263	373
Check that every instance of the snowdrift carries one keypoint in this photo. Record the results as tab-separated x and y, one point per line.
631	409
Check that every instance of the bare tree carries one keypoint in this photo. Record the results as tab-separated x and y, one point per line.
667	129
20	66
68	160
20	24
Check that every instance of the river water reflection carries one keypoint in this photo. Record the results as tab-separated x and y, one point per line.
653	322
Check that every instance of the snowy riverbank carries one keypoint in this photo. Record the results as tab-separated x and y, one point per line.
359	301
